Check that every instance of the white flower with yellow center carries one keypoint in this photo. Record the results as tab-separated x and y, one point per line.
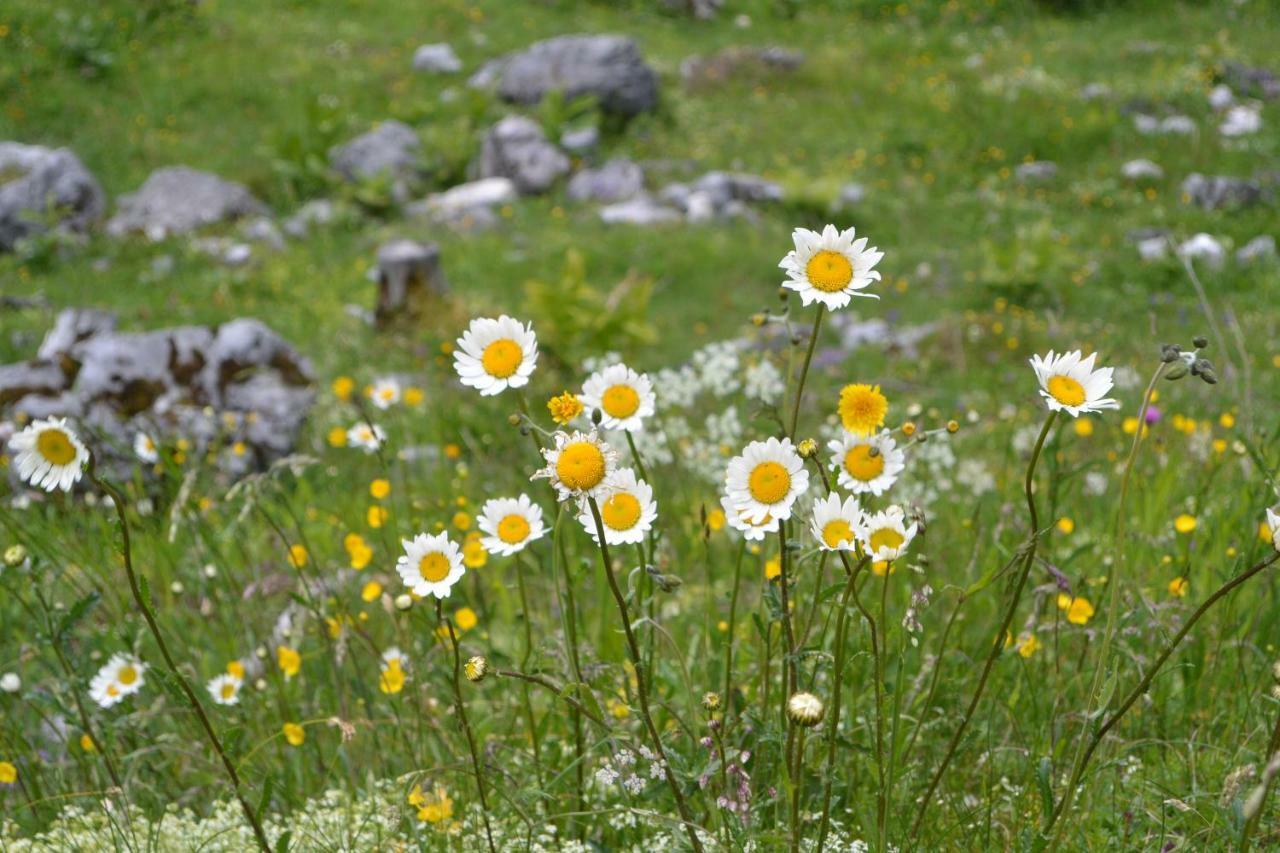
494	355
225	689
835	523
119	678
831	267
737	519
509	524
884	536
366	436
385	393
577	464
627	509
1273	524
623	397
431	565
49	455
145	449
766	479
866	463
1069	383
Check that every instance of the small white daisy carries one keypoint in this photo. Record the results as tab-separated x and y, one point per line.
627	509
866	463
49	455
766	479
120	677
431	565
385	393
145	449
1069	383
623	397
737	519
494	355
1273	524
509	524
368	437
225	689
884	536
392	656
835	523
831	267
577	464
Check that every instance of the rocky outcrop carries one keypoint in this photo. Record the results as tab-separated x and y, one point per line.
179	200
42	187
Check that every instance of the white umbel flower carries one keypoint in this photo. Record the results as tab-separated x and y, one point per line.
831	267
578	464
120	677
366	436
737	519
145	449
1070	384
494	355
835	523
866	463
1273	524
385	393
49	455
431	565
884	535
225	689
627	509
623	397
766	479
509	524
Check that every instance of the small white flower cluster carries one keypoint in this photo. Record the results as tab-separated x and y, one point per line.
626	769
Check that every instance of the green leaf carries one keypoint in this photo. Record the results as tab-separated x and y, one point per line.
73	616
265	799
1044	780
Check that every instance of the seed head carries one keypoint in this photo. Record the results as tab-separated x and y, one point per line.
805	709
476	669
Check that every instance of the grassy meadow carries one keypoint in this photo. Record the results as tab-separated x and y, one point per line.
1017	679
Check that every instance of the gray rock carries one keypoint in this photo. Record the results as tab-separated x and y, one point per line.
1254	82
1213	192
41	377
408	275
640	210
263	230
391	150
1241	120
178	200
606	67
581	141
485	192
1037	171
40	186
724	187
1260	248
1174	125
733	62
516	148
436	59
320	211
1141	170
616	180
72	327
224	250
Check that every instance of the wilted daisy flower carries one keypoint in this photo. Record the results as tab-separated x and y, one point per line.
1069	383
385	393
766	479
866	463
494	355
120	677
831	267
431	565
509	524
628	511
835	522
623	397
884	536
578	464
1273	523
368	437
737	519
49	455
862	408
225	689
145	449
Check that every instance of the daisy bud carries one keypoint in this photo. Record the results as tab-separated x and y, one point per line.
1275	670
757	319
513	419
176	587
1169	353
404	602
1176	372
908	429
14	556
1204	369
260	652
476	669
805	709
1200	342
711	702
953	427
211	571
10	682
807	448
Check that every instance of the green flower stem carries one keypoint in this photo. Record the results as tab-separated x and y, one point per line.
730	634
526	618
804	370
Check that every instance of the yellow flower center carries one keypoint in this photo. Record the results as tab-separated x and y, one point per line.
228	690
862	464
886	537
621	511
837	533
434	567
127	675
502	358
580	466
769	482
513	529
112	690
620	401
829	271
862	408
55	446
1066	390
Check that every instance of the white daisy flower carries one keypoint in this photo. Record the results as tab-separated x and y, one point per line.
509	524
385	393
1069	383
623	397
49	455
494	355
1273	524
431	565
368	437
145	449
225	689
831	267
737	519
578	464
120	677
766	479
627	510
392	656
883	535
867	463
835	522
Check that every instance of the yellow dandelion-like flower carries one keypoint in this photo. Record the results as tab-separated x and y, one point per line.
344	387
289	661
474	554
297	556
1028	645
1184	523
86	743
462	520
391	681
1079	610
465	618
8	773
376	516
1178	587
236	669
413	396
1084	427
716	520
1065	525
338	437
380	488
371	591
294	734
772	568
564	408
862	408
